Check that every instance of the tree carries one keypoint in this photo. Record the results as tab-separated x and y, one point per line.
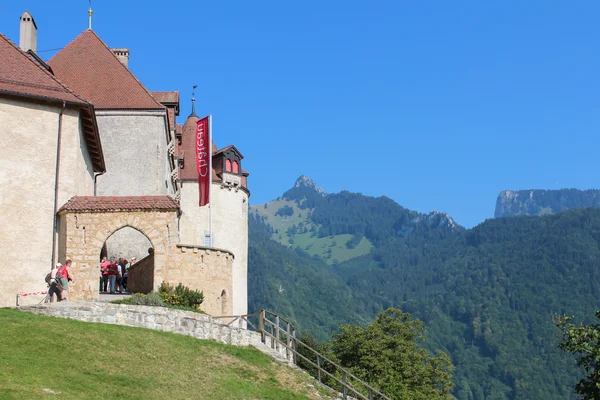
584	342
386	354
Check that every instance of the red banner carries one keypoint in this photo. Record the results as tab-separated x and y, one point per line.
203	152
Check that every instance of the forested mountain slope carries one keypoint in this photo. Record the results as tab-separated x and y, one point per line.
299	287
486	295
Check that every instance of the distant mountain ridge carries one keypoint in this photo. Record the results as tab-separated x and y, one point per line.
541	202
339	226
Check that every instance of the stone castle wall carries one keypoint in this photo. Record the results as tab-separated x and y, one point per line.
229	228
205	269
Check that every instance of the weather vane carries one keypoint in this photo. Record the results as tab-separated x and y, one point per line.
90	12
193	98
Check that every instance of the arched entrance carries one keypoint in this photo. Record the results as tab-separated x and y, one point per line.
126	242
129	248
88	223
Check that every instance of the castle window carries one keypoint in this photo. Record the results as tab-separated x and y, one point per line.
227	165
236	167
224	303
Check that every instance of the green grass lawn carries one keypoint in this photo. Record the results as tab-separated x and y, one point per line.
79	360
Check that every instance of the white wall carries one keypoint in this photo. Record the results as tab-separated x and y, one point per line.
27	173
229	228
135	151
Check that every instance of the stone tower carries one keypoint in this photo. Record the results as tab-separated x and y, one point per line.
229	209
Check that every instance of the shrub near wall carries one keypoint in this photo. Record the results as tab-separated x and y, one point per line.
180	295
177	297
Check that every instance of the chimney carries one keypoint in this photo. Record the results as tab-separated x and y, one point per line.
28	33
122	55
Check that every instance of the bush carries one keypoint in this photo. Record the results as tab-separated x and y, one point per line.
138	299
180	295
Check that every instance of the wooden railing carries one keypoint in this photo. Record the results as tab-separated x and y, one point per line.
280	335
229	320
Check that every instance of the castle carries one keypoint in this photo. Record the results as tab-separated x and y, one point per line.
95	164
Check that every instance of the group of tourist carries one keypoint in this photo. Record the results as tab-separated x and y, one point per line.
113	275
113	278
58	282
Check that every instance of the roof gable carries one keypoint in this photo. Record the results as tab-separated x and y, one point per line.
228	149
90	67
20	75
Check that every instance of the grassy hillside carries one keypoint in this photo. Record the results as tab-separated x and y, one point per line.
80	360
298	230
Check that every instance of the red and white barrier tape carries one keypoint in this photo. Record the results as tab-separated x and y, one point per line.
31	294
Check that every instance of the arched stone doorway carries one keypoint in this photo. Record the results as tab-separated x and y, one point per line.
87	223
128	243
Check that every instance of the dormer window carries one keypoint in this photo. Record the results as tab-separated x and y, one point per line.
229	160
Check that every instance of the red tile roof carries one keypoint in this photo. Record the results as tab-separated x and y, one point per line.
20	75
120	203
88	66
166	97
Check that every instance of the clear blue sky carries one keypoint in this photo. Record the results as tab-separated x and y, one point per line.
438	105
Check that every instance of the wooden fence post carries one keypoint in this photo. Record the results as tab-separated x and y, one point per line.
345	386
277	332
288	340
294	358
319	367
261	325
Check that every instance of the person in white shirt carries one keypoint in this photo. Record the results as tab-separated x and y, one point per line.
53	288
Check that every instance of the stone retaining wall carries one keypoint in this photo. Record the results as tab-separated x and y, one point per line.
200	326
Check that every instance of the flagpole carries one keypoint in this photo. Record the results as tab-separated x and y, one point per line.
210	171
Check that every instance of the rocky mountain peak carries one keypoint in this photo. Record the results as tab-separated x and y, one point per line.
436	219
305	182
